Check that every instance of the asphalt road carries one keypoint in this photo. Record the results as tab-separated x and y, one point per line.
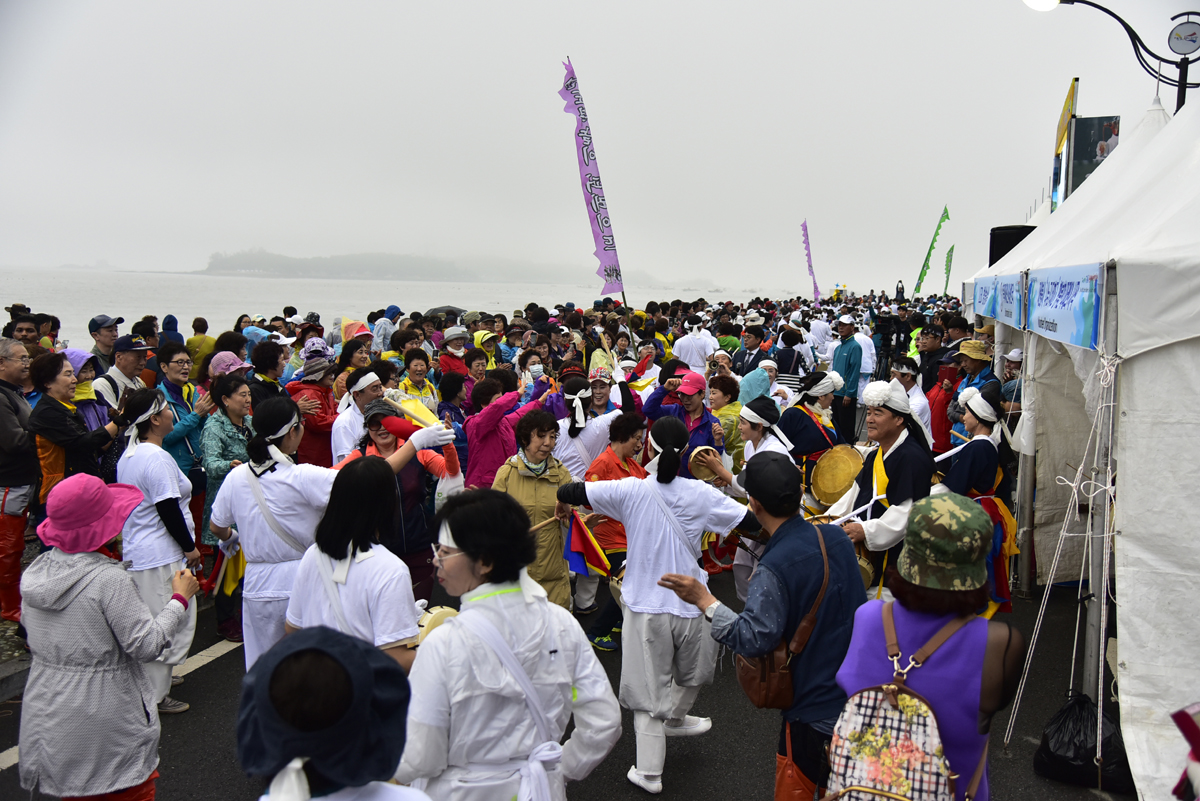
736	759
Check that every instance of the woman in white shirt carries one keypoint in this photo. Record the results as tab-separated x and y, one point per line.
581	438
494	688
323	714
346	579
160	535
667	654
276	505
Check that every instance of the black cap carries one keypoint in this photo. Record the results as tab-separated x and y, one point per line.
129	343
771	474
103	321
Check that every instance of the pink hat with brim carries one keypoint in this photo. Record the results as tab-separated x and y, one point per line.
690	384
83	513
225	362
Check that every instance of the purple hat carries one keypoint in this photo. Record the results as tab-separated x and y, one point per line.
225	362
83	513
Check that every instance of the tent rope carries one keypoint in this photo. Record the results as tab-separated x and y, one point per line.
1087	488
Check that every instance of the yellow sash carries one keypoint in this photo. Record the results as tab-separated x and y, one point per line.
880	479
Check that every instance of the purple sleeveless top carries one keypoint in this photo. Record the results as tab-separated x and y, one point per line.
950	680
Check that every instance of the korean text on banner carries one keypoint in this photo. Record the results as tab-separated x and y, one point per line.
1064	304
593	190
1000	298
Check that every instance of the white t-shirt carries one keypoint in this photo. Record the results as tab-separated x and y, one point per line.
593	439
654	547
145	540
297	495
375	791
695	349
348	430
376	595
920	406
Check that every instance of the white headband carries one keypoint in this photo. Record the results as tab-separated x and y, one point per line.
131	433
769	363
290	425
577	401
830	383
973	400
362	383
748	414
904	369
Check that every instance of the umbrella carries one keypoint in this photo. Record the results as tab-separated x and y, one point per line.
455	310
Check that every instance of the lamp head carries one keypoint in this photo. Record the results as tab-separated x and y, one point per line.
1041	5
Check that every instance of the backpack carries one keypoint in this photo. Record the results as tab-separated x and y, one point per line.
886	742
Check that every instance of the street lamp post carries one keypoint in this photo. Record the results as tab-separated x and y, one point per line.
1183	40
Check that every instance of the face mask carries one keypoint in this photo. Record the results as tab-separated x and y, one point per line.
536	371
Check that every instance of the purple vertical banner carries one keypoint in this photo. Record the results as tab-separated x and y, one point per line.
593	190
808	254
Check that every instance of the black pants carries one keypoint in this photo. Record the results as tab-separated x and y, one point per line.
845	417
610	616
810	751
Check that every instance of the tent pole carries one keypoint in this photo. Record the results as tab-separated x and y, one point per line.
1094	638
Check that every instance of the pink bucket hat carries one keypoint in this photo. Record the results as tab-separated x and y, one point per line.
225	362
83	513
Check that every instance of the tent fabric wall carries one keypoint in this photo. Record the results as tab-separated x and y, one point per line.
1157	558
1061	435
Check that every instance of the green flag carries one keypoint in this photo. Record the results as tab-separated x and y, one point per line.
949	258
925	267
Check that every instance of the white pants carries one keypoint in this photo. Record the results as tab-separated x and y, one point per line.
262	626
585	591
154	585
662	654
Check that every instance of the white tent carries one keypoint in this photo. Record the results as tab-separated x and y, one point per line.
1139	214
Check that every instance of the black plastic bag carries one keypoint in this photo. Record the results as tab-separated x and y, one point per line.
1068	749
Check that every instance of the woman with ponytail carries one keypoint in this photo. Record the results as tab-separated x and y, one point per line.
981	469
159	536
276	505
667	653
808	424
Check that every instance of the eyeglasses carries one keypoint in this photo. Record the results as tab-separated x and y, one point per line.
439	558
181	363
22	359
374	426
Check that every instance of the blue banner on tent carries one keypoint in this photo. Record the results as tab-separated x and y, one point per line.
1064	304
1000	298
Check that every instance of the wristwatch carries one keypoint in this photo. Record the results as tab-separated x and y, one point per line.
711	610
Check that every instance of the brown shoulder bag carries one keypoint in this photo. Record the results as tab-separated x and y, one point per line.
767	680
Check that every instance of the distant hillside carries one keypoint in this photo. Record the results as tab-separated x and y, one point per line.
354	265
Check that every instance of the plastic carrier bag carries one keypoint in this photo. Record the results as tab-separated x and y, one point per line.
1068	749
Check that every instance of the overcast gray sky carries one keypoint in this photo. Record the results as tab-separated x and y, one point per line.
148	135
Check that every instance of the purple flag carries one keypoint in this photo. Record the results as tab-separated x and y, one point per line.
808	253
593	191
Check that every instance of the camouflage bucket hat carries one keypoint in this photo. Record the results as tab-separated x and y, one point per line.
947	543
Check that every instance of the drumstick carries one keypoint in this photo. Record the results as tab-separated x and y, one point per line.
542	524
960	436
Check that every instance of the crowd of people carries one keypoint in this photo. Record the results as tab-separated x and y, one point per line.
319	481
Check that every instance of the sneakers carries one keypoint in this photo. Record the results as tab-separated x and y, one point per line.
616	630
231	630
650	785
176	681
689	726
605	643
170	706
586	610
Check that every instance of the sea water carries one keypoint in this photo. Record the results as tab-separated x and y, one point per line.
75	295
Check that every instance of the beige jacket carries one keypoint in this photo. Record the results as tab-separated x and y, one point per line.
538	495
